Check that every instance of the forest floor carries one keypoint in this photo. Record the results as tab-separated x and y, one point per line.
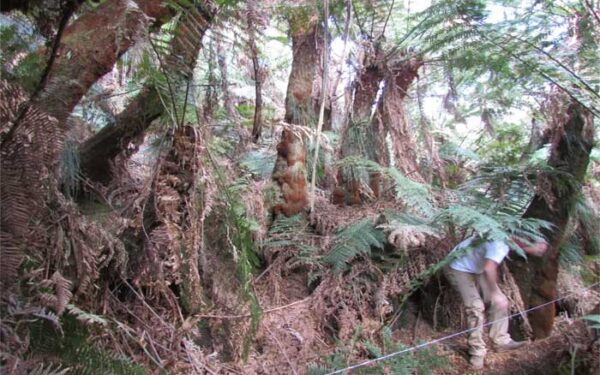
290	340
571	349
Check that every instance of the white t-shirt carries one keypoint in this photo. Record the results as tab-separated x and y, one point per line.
473	262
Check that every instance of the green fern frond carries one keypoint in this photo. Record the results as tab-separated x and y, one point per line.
415	195
259	163
85	317
73	349
354	240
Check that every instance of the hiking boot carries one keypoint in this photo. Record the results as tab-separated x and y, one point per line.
476	362
511	345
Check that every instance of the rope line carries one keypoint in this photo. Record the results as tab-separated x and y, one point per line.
433	342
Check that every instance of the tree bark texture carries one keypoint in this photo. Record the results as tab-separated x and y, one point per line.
85	54
392	114
98	153
367	133
572	143
37	137
211	98
290	167
357	137
228	102
252	19
175	233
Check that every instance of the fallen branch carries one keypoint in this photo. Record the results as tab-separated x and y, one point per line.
248	315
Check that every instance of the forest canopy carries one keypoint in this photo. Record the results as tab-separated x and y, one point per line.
222	186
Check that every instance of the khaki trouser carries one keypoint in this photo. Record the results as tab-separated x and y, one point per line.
469	285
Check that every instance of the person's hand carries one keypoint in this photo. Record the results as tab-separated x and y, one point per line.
537	249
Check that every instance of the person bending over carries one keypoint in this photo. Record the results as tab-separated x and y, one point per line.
475	276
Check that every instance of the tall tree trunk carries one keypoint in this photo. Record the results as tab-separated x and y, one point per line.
252	19
211	99
367	133
300	109
224	69
572	141
98	152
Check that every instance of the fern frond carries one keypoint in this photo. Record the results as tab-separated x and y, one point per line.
416	196
86	317
354	240
74	350
259	163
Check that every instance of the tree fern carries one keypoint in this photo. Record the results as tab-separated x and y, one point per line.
240	230
354	240
416	196
74	350
259	163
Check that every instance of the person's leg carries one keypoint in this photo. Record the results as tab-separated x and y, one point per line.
498	312
466	285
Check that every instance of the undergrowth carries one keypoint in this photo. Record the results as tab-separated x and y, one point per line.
421	361
71	348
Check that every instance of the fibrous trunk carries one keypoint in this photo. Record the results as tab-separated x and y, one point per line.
290	167
33	139
357	137
366	132
572	142
98	153
175	234
399	77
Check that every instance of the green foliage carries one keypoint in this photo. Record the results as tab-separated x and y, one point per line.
71	171
506	147
505	60
416	196
260	164
72	349
354	240
240	233
246	110
294	232
18	61
419	361
454	152
595	319
569	253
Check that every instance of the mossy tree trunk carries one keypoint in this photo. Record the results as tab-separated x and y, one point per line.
572	142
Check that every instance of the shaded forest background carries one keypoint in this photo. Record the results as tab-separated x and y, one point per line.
272	186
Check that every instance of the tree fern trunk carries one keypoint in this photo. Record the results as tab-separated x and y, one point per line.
399	77
290	168
98	152
357	138
572	142
36	138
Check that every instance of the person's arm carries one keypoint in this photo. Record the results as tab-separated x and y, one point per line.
490	271
537	249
